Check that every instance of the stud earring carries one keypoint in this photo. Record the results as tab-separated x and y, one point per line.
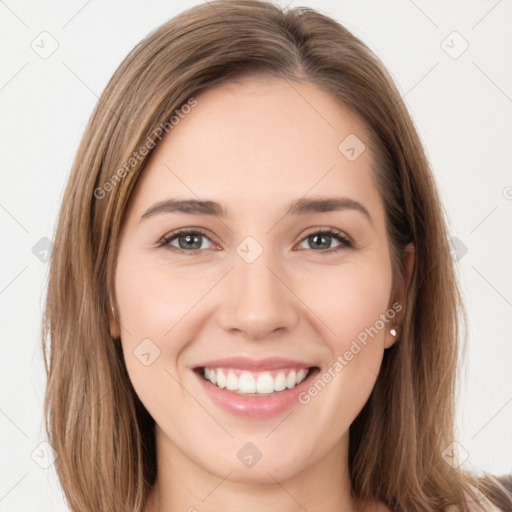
392	332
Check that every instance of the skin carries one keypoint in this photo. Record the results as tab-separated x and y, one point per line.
254	146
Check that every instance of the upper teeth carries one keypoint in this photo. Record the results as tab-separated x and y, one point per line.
246	382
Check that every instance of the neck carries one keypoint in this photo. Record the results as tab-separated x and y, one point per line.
184	485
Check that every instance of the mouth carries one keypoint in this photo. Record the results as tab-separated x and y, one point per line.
254	389
255	383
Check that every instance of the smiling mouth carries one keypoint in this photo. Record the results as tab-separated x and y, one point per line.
250	383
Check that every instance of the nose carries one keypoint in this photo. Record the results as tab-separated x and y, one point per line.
257	300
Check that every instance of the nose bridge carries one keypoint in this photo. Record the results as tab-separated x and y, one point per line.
258	302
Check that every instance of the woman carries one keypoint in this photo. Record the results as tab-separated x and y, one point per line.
251	303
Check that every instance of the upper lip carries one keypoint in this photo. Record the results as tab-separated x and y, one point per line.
246	363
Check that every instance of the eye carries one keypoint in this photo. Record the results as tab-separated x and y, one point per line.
322	239
191	241
185	240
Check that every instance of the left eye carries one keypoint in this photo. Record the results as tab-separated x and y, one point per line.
324	237
191	241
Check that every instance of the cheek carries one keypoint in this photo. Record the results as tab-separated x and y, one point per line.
152	298
150	306
356	313
153	302
350	299
160	314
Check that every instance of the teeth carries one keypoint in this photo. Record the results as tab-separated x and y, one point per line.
265	383
231	382
280	382
302	374
221	379
291	379
246	383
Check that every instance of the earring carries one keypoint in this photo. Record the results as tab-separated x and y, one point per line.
392	332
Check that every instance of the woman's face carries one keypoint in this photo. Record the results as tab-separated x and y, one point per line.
261	298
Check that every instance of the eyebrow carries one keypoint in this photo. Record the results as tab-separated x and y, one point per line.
301	206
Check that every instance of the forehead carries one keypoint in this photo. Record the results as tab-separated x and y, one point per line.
260	141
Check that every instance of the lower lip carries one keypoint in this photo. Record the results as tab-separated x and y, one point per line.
255	406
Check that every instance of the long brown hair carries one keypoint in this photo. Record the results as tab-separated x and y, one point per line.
102	433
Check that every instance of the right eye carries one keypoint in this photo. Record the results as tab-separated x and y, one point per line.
188	241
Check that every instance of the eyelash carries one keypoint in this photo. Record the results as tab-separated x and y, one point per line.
345	242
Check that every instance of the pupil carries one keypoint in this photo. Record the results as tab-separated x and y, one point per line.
321	237
192	239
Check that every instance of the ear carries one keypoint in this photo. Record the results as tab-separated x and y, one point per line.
399	296
113	325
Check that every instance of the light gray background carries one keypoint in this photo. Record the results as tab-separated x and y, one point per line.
462	107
